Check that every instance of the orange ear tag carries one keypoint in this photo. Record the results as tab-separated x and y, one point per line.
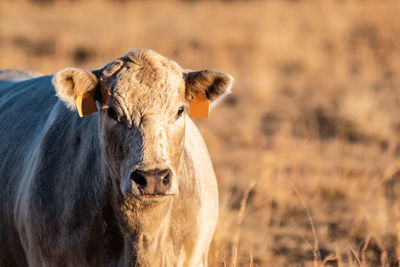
199	107
85	104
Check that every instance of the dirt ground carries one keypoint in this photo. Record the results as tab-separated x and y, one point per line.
306	148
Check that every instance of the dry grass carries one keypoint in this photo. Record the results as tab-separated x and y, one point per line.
315	109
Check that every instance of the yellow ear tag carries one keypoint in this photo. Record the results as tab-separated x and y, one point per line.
199	107
85	104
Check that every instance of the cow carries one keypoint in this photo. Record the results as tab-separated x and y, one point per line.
131	184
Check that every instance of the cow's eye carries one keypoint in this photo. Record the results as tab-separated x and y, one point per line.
112	113
180	111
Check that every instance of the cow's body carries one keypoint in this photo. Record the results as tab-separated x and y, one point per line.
55	195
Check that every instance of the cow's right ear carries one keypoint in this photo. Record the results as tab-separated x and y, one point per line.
73	85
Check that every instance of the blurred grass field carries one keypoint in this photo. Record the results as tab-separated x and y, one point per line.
313	120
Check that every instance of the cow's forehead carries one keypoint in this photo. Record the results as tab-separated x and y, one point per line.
147	81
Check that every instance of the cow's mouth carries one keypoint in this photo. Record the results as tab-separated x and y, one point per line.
148	198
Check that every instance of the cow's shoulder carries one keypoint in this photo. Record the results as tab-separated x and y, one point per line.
197	208
197	151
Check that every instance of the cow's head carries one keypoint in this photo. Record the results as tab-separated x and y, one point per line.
143	98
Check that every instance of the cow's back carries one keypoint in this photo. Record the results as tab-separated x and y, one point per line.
52	192
24	105
24	109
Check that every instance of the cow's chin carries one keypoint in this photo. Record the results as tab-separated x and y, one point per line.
144	212
135	200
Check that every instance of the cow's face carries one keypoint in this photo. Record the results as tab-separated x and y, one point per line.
144	99
142	125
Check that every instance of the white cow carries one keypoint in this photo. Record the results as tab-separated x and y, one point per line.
130	185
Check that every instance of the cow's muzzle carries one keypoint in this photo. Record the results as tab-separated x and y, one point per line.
154	182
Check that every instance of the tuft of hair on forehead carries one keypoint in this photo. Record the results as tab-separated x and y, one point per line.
150	66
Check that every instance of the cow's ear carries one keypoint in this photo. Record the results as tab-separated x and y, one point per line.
211	83
72	83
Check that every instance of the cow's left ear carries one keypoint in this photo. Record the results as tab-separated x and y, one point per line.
211	83
71	83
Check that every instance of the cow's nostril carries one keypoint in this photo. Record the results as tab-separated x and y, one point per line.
138	178
165	180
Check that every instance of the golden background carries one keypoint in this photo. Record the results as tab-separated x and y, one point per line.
313	120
